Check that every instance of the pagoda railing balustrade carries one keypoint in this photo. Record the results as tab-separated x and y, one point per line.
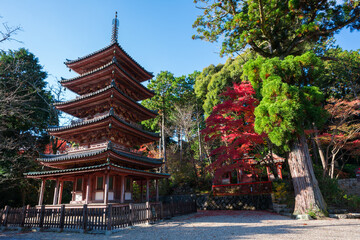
86	147
134	124
101	146
93	218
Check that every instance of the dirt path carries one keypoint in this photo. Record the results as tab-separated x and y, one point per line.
221	225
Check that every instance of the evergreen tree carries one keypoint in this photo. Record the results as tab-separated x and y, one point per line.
24	115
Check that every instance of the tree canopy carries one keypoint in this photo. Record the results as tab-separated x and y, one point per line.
289	103
273	28
214	80
24	115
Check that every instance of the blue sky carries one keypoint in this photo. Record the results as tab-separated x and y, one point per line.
157	33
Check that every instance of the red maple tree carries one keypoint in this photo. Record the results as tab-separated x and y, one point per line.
232	123
59	145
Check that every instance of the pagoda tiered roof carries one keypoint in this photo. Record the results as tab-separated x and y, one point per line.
97	156
102	100
97	168
102	76
106	127
98	58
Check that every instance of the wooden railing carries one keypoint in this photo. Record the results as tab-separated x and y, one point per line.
242	188
85	218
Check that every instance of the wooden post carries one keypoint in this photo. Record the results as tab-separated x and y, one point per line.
62	217
109	217
172	210
147	190
42	189
56	192
278	168
106	192
6	211
122	190
23	216
42	215
87	198
60	192
85	217
147	212
73	191
130	214
157	189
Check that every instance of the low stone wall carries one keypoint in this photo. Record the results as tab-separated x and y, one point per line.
242	202
350	186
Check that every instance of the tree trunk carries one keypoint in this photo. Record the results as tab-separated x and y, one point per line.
163	140
200	147
181	144
332	170
308	198
160	152
321	153
314	150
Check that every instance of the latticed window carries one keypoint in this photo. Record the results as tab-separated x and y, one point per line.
111	183
99	183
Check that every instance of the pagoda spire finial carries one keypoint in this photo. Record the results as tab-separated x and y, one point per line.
115	27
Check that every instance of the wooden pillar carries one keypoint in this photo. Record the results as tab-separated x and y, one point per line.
42	189
73	191
60	191
122	190
56	192
279	167
157	189
268	172
106	191
147	190
88	189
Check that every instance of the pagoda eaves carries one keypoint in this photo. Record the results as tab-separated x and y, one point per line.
83	158
102	76
98	58
140	174
87	105
107	127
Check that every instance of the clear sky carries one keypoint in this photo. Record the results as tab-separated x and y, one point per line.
157	33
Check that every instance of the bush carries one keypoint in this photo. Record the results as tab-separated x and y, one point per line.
335	197
353	203
283	192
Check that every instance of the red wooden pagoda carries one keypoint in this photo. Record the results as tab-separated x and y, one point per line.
103	164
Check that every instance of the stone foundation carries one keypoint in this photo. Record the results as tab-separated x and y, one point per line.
242	202
350	186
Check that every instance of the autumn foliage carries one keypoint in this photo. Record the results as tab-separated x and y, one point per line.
60	146
232	123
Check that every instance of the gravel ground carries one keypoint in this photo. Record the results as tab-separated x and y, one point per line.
220	225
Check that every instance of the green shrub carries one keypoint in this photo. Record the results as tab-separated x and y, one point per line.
353	202
283	192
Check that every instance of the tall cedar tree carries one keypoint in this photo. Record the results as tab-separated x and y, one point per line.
232	122
278	28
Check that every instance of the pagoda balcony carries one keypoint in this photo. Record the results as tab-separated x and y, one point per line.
84	148
77	121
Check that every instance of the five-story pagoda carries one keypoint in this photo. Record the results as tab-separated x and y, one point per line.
104	164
